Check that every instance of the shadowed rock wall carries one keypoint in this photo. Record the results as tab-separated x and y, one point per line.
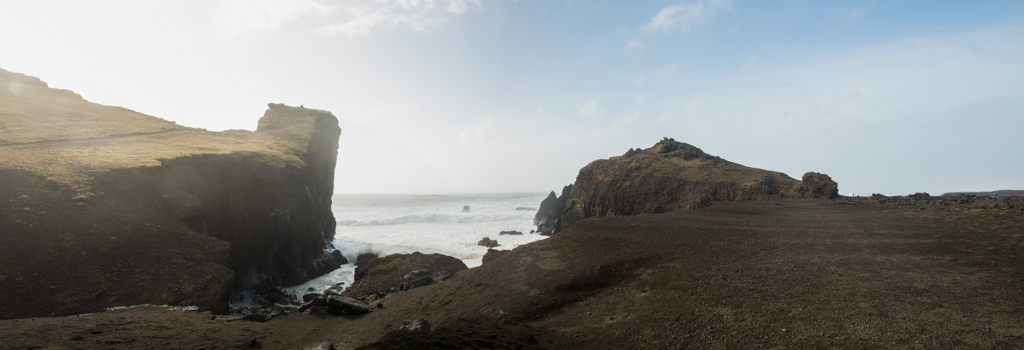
102	206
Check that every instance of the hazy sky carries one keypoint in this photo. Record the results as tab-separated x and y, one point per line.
489	96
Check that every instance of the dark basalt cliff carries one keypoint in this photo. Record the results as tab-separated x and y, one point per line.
667	177
101	206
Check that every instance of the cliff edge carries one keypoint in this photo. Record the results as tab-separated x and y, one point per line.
669	176
102	206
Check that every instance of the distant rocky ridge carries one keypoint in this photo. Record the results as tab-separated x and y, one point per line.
667	177
102	206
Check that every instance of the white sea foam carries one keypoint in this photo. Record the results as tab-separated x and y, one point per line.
402	224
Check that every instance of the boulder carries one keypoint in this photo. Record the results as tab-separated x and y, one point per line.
465	209
514	233
342	305
487	242
493	254
385	275
415	279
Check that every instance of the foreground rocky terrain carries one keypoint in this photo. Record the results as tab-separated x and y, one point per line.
757	274
101	206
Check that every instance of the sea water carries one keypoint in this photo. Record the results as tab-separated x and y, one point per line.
386	224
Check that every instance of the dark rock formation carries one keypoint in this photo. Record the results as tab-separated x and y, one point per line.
364	258
487	242
125	208
493	254
817	185
549	217
465	209
666	177
343	305
385	275
513	232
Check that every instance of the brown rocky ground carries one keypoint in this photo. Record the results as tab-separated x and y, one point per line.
771	274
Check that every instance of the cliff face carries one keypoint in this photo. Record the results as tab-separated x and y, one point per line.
674	176
102	206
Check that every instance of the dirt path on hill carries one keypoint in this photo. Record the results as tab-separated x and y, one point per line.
752	275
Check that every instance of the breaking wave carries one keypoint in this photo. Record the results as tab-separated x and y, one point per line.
435	218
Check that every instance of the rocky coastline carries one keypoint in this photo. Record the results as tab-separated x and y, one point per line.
660	248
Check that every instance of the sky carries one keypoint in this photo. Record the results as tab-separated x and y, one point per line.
454	96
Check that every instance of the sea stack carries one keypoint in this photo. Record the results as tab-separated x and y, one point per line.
102	206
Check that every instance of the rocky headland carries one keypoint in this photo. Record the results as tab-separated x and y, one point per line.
102	206
666	177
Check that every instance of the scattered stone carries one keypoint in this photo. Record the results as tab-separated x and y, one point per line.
415	279
419	325
513	232
320	346
256	318
487	242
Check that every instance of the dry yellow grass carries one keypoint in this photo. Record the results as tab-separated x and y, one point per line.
59	135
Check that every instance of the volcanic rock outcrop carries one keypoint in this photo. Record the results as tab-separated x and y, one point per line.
667	177
392	273
102	206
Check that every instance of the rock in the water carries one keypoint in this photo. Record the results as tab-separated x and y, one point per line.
493	254
487	242
549	217
465	209
419	325
320	346
415	279
385	275
513	232
339	258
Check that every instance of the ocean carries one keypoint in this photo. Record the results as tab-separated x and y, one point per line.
428	223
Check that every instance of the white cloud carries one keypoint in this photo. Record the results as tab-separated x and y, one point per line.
351	18
480	133
633	44
750	63
630	116
640	80
236	17
591	109
684	15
